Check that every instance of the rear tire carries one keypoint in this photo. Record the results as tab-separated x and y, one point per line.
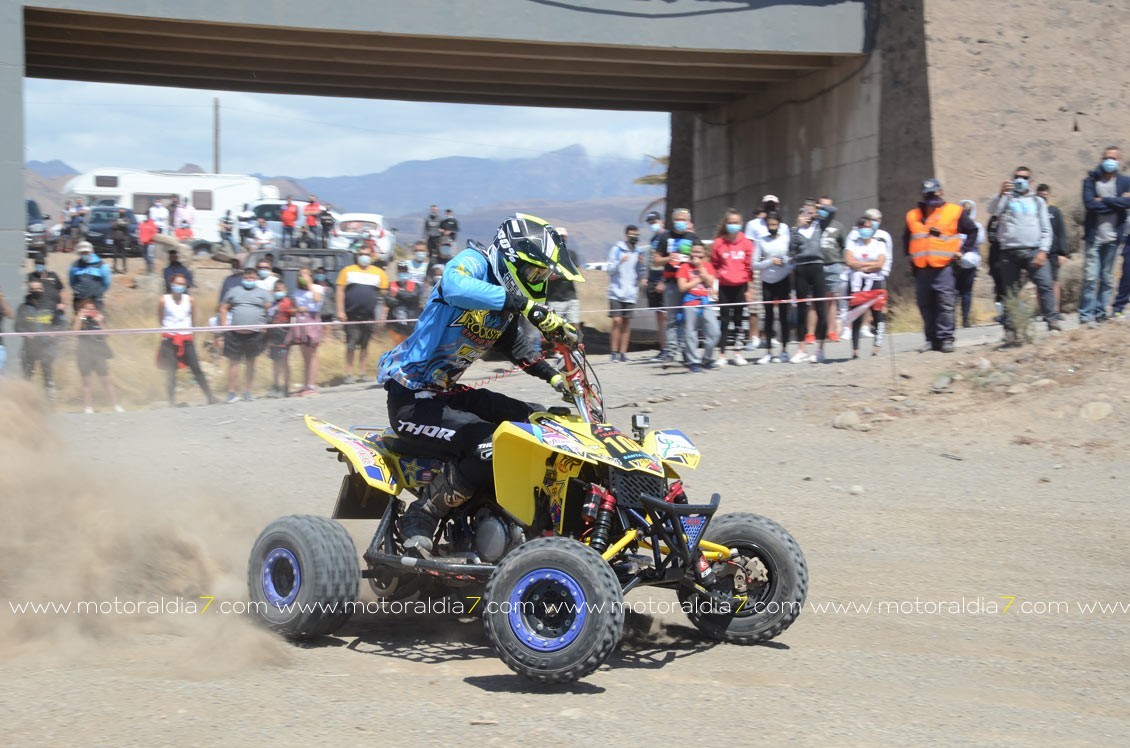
764	610
303	576
553	610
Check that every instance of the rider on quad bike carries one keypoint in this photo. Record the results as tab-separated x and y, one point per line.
475	307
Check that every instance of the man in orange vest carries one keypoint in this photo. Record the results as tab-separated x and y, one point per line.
933	242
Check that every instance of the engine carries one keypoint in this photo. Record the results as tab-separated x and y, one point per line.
494	538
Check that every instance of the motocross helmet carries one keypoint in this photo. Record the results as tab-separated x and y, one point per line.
525	252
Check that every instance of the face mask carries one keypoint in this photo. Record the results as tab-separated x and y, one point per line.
680	226
248	284
280	295
866	233
1020	184
35	295
420	256
39	268
633	240
364	260
823	213
934	201
773	232
403	277
90	259
319	277
263	272
1109	165
178	288
733	228
655	227
303	283
875	225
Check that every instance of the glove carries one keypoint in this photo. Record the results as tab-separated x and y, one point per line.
551	324
561	384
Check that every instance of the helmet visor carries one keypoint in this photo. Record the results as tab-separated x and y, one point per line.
533	274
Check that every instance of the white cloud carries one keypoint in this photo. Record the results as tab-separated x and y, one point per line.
89	125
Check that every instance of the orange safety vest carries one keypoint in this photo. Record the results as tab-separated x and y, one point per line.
934	251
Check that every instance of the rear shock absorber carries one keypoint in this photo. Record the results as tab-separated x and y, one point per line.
603	527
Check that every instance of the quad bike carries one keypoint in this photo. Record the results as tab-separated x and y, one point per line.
580	514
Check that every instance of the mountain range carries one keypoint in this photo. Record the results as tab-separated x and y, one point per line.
593	197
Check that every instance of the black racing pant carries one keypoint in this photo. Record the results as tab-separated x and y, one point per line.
731	315
809	279
779	291
455	426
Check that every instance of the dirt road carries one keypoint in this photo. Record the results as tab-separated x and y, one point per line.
955	539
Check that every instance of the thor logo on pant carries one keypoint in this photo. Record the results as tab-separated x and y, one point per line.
407	427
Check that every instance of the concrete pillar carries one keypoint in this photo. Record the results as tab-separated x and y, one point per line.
680	168
12	205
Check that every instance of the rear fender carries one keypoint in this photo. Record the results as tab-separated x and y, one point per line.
521	465
367	462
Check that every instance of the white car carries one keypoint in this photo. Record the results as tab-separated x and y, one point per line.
271	208
370	227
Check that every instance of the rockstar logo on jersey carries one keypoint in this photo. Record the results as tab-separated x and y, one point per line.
481	326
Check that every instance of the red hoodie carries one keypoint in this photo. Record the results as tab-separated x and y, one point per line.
732	258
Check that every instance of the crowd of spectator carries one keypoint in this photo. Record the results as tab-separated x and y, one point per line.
775	288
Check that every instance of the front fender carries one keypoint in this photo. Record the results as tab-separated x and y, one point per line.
673	449
367	462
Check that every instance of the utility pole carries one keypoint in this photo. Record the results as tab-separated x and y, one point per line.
216	135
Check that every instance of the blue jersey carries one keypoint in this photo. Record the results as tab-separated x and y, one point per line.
463	319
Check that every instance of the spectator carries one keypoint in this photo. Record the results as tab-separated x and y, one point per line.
933	240
260	236
695	280
1059	252
5	313
183	233
674	246
265	278
833	240
756	227
89	276
309	299
177	315
731	259
120	236
966	272
76	224
37	315
288	216
227	226
247	304
146	233
436	276
1106	197
246	220
93	351
626	277
184	215
807	260
995	264
418	265
771	260
1025	235
883	237
329	293
405	299
52	284
433	234
561	294
358	293
63	243
326	223
234	278
449	226
654	263
281	312
269	258
176	267
312	211
865	257
159	214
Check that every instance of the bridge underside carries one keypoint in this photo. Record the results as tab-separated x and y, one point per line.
70	45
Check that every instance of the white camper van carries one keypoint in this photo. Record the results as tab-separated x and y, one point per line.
210	194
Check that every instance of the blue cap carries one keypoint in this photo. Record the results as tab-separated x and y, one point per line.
931	185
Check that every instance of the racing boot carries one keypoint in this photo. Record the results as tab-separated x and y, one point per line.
419	522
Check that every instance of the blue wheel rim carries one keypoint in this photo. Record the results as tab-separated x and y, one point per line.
281	577
547	610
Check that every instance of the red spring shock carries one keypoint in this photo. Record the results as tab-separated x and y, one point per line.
603	528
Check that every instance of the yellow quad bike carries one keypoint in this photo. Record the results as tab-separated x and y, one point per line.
581	513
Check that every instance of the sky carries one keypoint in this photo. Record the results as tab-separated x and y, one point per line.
90	125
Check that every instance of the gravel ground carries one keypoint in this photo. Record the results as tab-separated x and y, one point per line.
945	506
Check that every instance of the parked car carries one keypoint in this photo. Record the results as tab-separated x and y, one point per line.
365	227
35	236
98	223
289	261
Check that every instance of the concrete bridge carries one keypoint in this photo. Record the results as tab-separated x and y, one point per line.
788	97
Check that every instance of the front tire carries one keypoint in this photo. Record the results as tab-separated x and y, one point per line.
767	607
553	610
303	576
